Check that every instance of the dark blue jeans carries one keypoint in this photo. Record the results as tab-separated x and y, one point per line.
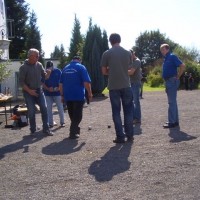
172	85
41	101
125	97
75	111
136	101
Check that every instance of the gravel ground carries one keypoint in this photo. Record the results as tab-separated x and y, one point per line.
161	164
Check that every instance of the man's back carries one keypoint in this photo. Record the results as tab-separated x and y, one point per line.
118	60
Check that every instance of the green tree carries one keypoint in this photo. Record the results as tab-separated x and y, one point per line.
4	71
92	53
61	55
147	46
76	43
18	11
105	47
55	53
33	37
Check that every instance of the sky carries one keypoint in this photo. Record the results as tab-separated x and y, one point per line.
177	19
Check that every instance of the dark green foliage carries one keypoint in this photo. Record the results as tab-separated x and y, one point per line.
18	11
62	57
191	67
147	46
55	53
33	37
76	43
95	45
154	78
105	47
96	76
60	54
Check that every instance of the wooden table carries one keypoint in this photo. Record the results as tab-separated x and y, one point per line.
3	103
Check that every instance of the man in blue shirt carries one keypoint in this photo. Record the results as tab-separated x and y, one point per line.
172	82
73	82
52	94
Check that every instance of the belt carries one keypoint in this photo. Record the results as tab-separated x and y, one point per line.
169	77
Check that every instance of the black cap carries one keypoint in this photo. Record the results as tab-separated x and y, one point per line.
76	58
49	64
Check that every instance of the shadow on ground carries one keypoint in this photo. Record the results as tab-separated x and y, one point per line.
179	136
66	146
114	162
23	144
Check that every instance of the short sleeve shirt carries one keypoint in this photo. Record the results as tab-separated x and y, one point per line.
118	60
72	78
170	65
136	76
52	81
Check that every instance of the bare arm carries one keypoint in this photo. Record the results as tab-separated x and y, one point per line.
31	92
131	71
47	88
87	86
182	67
61	92
105	70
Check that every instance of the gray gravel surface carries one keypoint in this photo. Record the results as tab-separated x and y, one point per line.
161	164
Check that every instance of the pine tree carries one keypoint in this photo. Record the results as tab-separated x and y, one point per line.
76	43
55	53
93	49
17	10
33	37
61	55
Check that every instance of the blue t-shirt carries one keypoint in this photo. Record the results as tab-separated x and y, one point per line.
73	77
170	65
53	82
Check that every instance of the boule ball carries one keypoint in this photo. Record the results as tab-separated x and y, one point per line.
89	127
109	126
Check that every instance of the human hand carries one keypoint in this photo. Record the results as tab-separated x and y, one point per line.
33	93
48	71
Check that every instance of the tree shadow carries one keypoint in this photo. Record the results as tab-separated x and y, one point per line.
23	144
179	136
114	162
66	146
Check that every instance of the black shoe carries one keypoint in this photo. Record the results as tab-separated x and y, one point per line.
130	138
117	140
48	133
169	125
74	136
176	124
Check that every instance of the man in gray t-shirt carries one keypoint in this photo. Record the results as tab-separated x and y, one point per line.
115	63
135	77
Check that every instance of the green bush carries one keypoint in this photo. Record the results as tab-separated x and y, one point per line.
191	67
154	78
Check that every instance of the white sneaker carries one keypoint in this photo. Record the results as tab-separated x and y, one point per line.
55	124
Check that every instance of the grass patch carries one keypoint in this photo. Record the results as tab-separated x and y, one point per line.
146	88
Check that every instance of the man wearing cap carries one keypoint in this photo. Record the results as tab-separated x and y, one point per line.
52	94
73	82
172	82
135	78
30	74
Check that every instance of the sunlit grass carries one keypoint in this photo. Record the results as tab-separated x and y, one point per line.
146	88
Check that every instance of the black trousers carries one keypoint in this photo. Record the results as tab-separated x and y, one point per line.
75	111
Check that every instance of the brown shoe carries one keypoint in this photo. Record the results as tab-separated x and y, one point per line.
136	121
118	140
130	138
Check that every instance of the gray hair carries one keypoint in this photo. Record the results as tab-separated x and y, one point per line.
32	52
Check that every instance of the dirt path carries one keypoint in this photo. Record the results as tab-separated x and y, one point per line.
161	164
